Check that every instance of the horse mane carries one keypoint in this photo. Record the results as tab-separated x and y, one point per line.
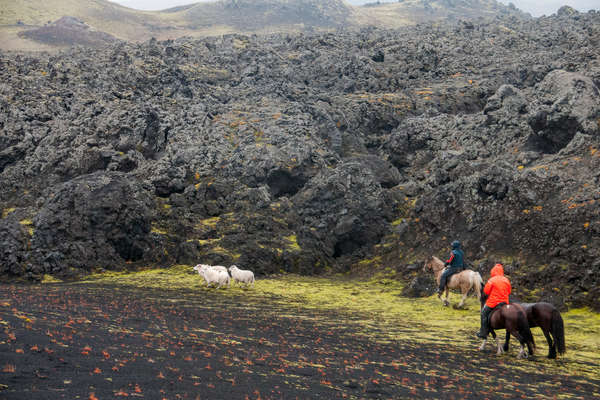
437	260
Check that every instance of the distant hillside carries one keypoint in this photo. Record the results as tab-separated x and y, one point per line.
219	17
410	12
68	31
257	15
101	15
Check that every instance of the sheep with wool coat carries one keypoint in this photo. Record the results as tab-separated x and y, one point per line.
202	267
211	275
242	275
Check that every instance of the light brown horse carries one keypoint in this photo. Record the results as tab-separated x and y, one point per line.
464	280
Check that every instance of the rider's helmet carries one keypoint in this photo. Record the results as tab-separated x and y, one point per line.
455	244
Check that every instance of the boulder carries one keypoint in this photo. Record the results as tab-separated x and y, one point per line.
569	103
98	220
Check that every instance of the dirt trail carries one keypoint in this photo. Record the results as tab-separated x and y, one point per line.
104	342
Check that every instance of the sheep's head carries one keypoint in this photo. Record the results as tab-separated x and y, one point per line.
232	268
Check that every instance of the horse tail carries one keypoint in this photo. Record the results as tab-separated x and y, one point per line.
558	331
525	331
478	285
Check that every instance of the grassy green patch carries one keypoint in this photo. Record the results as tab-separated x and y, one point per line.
292	243
374	309
29	224
210	222
46	278
158	230
7	211
226	252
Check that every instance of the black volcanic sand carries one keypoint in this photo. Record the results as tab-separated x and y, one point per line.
87	342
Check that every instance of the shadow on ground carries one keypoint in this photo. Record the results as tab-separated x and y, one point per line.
102	342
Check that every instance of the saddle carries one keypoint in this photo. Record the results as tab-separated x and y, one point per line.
497	308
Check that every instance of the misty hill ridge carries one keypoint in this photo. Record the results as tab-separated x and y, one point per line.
252	15
410	12
228	16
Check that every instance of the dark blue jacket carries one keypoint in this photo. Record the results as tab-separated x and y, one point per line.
456	259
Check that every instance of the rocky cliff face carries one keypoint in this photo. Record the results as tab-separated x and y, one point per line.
309	153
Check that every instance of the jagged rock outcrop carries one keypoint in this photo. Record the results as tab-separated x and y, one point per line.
569	103
94	221
311	152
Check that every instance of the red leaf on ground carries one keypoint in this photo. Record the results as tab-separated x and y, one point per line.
9	368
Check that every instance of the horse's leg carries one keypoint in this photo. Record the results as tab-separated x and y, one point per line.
500	351
446	302
506	342
551	344
464	298
497	339
483	344
523	352
485	340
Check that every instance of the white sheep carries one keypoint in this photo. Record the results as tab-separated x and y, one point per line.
200	268
213	274
203	267
242	275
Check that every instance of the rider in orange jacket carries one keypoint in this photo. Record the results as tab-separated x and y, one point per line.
497	289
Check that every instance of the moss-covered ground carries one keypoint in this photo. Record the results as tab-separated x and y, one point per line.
163	334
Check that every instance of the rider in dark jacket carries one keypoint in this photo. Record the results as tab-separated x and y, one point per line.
454	264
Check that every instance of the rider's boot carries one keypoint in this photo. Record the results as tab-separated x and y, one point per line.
485	329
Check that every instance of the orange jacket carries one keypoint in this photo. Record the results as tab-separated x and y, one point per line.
497	287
